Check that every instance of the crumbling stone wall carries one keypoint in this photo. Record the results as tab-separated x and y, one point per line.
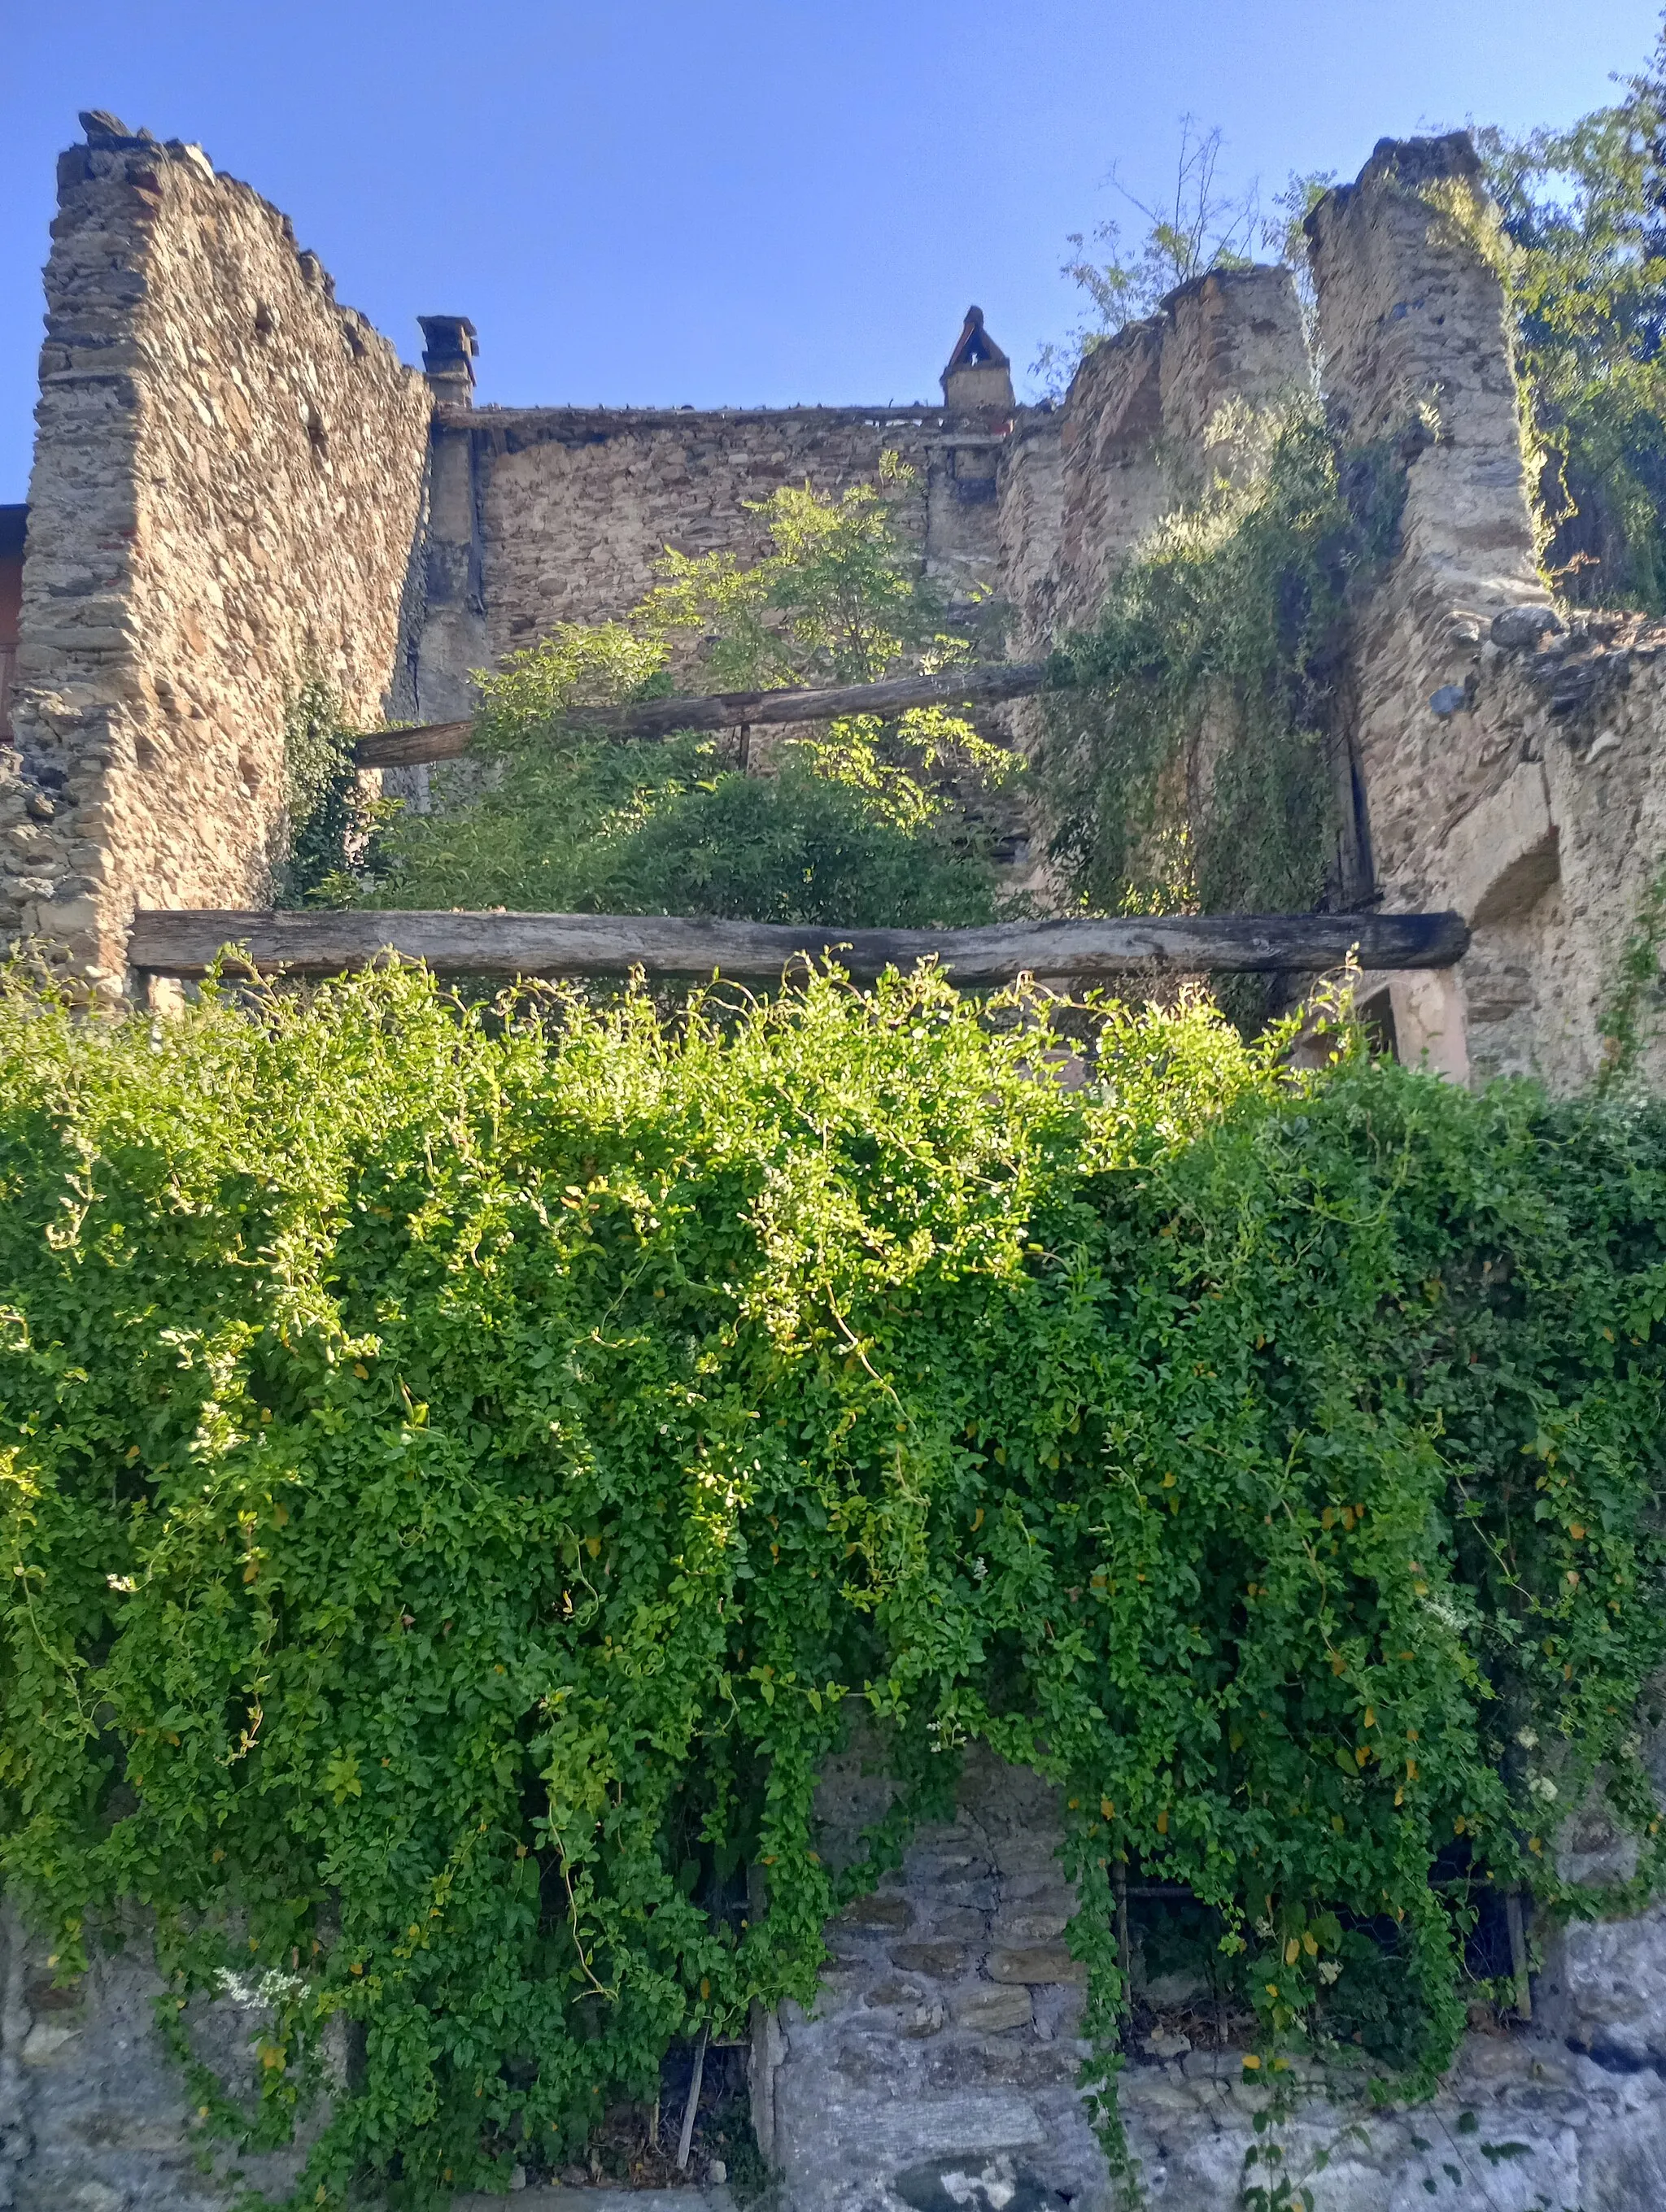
1082	484
225	487
1512	770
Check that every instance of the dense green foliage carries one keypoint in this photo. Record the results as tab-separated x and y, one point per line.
860	821
327	824
1190	767
1584	259
461	1471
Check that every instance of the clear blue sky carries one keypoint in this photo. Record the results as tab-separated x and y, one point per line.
741	201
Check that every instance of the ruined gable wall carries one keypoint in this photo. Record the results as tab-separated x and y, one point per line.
1512	770
226	485
552	514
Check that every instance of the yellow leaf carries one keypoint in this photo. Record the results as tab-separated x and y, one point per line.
1309	1945
977	1521
250	1571
593	1545
705	1986
1370	1717
1250	2062
363	1373
1163	1822
1293	1950
1107	1809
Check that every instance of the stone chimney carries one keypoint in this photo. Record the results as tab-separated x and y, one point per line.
449	346
978	380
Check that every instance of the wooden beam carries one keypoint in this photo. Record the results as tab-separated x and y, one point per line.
980	686
431	741
188	941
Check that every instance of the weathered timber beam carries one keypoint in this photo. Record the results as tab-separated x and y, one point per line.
430	741
188	941
982	686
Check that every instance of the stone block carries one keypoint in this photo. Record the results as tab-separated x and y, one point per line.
1035	1963
878	1914
988	2010
1030	1922
944	1960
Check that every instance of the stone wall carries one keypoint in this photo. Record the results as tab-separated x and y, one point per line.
546	515
938	2066
1512	770
226	481
542	515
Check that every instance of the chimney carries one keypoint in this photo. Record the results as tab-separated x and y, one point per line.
449	346
978	380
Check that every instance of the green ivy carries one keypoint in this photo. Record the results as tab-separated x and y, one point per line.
1581	248
1189	766
327	823
462	1469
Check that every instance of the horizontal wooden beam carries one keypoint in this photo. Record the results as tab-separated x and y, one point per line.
984	685
189	941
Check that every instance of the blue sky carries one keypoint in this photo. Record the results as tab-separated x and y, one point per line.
739	201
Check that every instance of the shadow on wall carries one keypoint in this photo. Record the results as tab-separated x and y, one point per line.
13	523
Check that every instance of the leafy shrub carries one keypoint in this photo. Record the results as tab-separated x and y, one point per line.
863	822
460	1470
327	824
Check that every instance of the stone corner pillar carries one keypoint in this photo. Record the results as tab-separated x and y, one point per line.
1415	345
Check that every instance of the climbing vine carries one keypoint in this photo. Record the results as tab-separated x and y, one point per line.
461	1470
1189	767
327	823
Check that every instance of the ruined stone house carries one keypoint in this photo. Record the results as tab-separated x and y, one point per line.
237	485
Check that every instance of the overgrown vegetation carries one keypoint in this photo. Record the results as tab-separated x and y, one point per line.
327	826
859	822
1190	767
461	1472
1584	233
1198	227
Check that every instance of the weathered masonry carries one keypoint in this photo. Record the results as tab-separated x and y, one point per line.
238	487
